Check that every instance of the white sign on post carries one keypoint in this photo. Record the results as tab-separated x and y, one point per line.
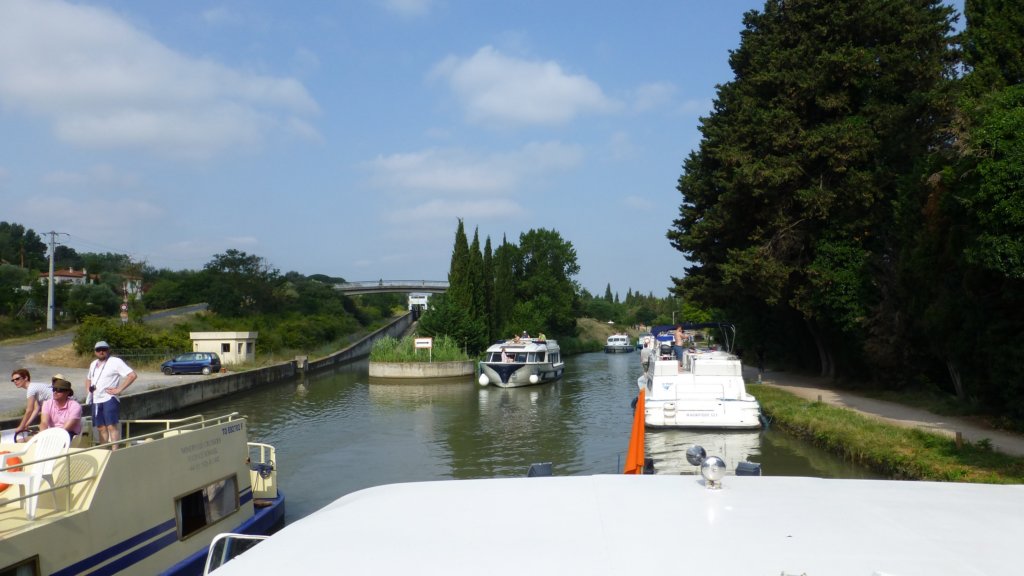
427	343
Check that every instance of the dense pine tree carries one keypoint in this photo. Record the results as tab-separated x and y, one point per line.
787	211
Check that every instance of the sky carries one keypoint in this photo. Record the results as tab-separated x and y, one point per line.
347	138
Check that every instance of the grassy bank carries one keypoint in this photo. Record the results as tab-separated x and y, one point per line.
898	452
591	336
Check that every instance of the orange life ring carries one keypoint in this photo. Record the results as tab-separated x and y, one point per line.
12	460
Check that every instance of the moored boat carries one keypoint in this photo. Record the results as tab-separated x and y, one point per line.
150	506
703	389
618	343
521	362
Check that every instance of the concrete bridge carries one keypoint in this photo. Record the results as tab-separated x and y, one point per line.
381	286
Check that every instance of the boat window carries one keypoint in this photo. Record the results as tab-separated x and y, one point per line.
521	357
205	506
27	567
540	356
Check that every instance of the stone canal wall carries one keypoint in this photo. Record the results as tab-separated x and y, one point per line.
157	401
421	369
164	400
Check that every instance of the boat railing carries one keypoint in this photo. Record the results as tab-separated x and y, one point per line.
225	547
263	470
75	466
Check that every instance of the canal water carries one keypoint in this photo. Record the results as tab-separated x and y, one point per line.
339	432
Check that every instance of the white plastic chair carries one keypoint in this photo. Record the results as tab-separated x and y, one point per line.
48	443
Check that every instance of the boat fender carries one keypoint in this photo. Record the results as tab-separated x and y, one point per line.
534	378
483	380
748	469
262	468
10	461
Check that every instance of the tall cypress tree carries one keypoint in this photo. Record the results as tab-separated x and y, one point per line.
478	302
459	289
505	258
492	329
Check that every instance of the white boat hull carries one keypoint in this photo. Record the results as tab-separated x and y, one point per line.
515	375
619	348
667	448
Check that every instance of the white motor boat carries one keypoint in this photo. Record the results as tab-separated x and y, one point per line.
606	525
703	389
617	343
521	362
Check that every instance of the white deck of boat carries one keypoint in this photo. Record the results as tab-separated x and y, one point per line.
616	524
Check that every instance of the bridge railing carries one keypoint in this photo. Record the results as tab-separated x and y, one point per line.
393	286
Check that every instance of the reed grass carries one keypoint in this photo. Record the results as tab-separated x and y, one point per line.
895	451
388	349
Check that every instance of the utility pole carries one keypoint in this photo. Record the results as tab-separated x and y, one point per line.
49	291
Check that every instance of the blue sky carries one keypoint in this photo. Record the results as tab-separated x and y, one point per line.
346	138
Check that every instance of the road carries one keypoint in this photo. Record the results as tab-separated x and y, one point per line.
20	355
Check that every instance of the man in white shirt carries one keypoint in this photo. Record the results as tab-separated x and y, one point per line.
107	379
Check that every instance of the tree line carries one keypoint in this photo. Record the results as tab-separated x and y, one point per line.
495	293
243	292
855	203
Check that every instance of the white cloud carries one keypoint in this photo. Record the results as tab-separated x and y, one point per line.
219	15
471	210
407	8
305	60
640	203
651	96
242	240
100	176
621	146
497	89
102	83
434	184
696	107
459	171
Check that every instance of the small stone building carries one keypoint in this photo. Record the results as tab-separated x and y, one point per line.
233	347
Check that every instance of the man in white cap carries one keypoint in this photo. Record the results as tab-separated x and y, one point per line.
107	379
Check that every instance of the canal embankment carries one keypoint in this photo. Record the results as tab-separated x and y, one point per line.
892	439
173	395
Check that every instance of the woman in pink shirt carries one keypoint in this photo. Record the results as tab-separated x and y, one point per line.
62	411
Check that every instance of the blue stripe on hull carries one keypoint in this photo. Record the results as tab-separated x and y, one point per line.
262	521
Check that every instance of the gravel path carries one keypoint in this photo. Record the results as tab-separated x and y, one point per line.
811	388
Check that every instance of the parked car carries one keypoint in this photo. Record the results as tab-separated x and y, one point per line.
192	363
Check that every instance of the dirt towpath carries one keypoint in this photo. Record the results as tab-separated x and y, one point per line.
814	389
